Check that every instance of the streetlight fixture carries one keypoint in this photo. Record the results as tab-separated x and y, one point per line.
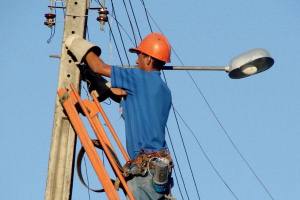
250	63
244	65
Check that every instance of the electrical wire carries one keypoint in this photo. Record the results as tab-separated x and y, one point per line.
230	139
63	6
114	39
186	154
146	12
52	29
178	127
219	122
120	34
183	144
136	24
207	157
99	3
177	163
176	178
136	44
133	42
52	33
111	32
133	33
212	111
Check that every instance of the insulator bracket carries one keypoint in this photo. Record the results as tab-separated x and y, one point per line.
50	19
102	18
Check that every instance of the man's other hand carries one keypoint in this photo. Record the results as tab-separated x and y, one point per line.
118	91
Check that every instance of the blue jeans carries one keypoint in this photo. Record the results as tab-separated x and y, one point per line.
142	188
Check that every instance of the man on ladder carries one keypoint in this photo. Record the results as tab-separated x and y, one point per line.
146	107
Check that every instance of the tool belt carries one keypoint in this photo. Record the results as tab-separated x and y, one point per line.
142	163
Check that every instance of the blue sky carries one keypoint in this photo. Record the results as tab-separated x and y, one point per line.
260	113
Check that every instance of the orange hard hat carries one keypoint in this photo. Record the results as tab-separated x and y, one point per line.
155	45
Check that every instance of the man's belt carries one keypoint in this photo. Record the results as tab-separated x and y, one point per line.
142	163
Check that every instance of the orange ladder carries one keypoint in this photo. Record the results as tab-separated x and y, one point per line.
70	101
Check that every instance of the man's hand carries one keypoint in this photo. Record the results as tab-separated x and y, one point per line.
118	91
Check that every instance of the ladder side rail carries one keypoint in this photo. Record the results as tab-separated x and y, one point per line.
93	113
98	133
68	101
101	133
110	127
99	126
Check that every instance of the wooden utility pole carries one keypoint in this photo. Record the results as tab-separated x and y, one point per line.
61	160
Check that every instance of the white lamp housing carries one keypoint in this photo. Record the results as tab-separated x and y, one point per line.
250	63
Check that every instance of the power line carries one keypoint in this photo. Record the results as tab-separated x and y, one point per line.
130	22
124	30
52	29
112	34
121	37
186	154
184	146
230	139
212	111
219	122
207	157
147	15
176	160
136	24
178	127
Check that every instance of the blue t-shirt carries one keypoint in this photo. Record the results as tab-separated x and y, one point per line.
145	108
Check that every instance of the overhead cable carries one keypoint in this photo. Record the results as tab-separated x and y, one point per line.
132	29
124	30
146	12
177	163
230	139
178	127
112	34
219	122
183	144
207	157
120	34
136	24
52	29
114	39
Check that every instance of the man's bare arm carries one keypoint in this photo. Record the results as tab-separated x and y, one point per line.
97	65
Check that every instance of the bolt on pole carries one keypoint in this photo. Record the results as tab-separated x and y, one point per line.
61	158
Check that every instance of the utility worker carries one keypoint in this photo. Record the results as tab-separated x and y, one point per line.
146	107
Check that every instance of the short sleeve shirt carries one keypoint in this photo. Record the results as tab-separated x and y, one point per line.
145	108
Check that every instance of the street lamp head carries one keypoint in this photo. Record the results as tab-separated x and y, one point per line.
250	63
